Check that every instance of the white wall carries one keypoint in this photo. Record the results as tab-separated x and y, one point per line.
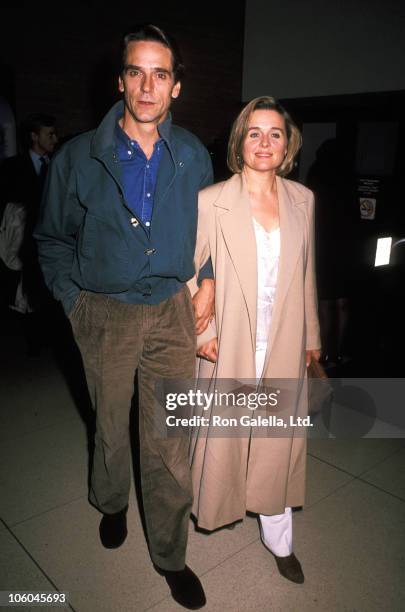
306	48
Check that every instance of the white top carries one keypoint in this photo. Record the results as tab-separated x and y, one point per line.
268	256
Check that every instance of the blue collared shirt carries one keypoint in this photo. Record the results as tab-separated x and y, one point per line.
117	258
139	174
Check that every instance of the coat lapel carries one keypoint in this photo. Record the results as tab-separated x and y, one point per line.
235	220
292	235
237	229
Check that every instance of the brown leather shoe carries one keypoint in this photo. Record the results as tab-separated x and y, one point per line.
113	529
185	587
290	568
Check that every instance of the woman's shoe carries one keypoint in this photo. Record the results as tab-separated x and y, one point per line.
290	568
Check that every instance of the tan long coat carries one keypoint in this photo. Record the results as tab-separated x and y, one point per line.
262	475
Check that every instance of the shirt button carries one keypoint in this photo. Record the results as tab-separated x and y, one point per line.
148	195
147	165
150	251
147	223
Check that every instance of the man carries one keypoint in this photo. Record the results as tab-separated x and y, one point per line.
22	179
40	129
116	242
23	175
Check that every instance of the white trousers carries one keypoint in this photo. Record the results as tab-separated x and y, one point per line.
276	532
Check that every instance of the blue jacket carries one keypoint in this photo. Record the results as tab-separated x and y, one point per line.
88	237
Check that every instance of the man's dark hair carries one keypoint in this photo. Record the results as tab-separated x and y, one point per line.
33	123
149	32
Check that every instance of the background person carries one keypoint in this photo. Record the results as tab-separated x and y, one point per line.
332	182
22	180
23	175
258	229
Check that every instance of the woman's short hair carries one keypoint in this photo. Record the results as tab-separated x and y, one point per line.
240	128
149	32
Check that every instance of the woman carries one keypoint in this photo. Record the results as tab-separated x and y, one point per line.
258	229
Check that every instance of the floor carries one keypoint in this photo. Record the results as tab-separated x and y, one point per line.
350	537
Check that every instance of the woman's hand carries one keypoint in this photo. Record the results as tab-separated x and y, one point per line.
313	354
209	350
204	304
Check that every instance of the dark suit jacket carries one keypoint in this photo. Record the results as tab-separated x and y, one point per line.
19	181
